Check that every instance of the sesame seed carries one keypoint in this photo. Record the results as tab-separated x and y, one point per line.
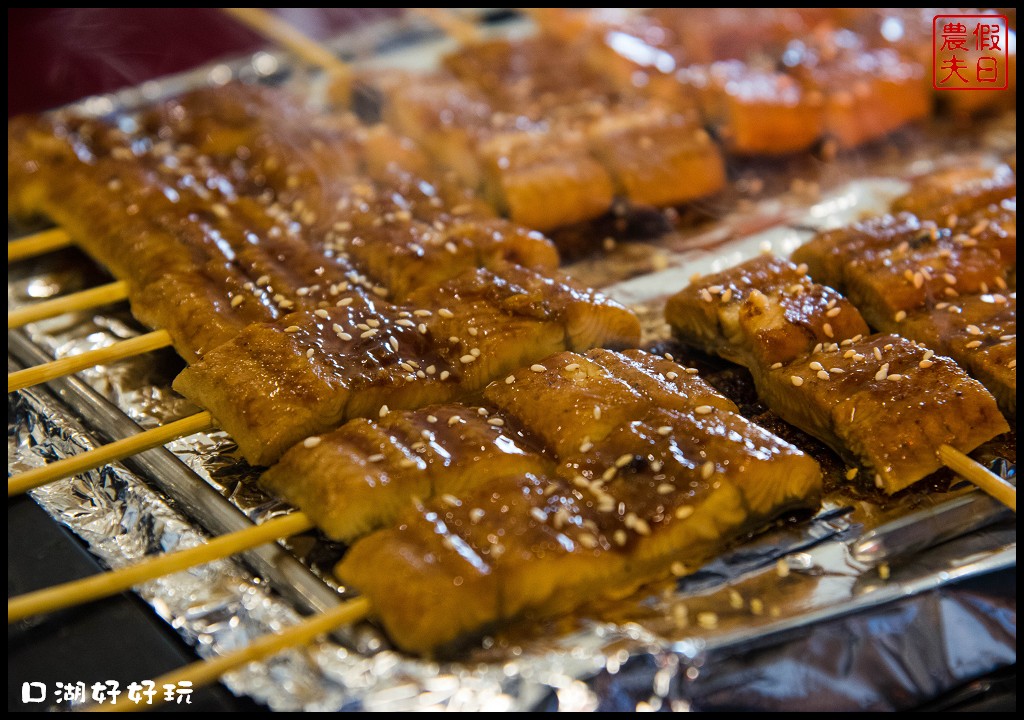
588	541
816	366
822	375
538	514
707	470
624	460
852	473
406	463
796	380
918	280
344	336
538	368
641	527
450	500
586	445
707	620
597	412
454	420
678	569
973	330
292	329
900	316
393	342
376	458
263	280
802	268
665	430
782	568
878	354
446	313
369	333
422	328
572	366
683	512
973	344
715	289
237	300
609	473
894	377
620	537
510	379
321	313
776	366
309	353
475	352
703	409
879	482
883	373
671	375
949	278
496	422
827	329
344	302
666	488
757	606
691	371
833	312
311	442
466	359
925	364
884	571
727	295
444	374
451	247
705	295
482	411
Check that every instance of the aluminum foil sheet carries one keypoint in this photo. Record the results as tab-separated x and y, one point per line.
788	621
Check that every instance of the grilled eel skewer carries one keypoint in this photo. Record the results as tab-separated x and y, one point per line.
882	402
581	476
941	270
235	204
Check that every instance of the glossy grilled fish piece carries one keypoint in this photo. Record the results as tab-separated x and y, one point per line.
659	492
884	403
980	333
765	311
622	127
275	384
754	111
894	264
880	401
869	92
957	191
361	476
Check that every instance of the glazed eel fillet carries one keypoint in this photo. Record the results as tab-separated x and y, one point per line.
941	271
300	295
884	403
552	148
583	476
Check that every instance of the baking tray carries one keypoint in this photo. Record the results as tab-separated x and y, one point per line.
655	651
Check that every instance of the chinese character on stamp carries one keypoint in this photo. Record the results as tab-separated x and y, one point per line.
970	52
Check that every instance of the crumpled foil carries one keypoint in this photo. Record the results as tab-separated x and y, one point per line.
787	621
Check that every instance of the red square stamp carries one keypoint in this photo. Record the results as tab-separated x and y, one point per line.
970	52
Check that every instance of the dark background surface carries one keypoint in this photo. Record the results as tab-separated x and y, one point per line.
56	56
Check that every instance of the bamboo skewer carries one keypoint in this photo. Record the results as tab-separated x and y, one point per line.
207	672
38	244
117	450
980	475
140	345
462	31
305	48
84	300
106	584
